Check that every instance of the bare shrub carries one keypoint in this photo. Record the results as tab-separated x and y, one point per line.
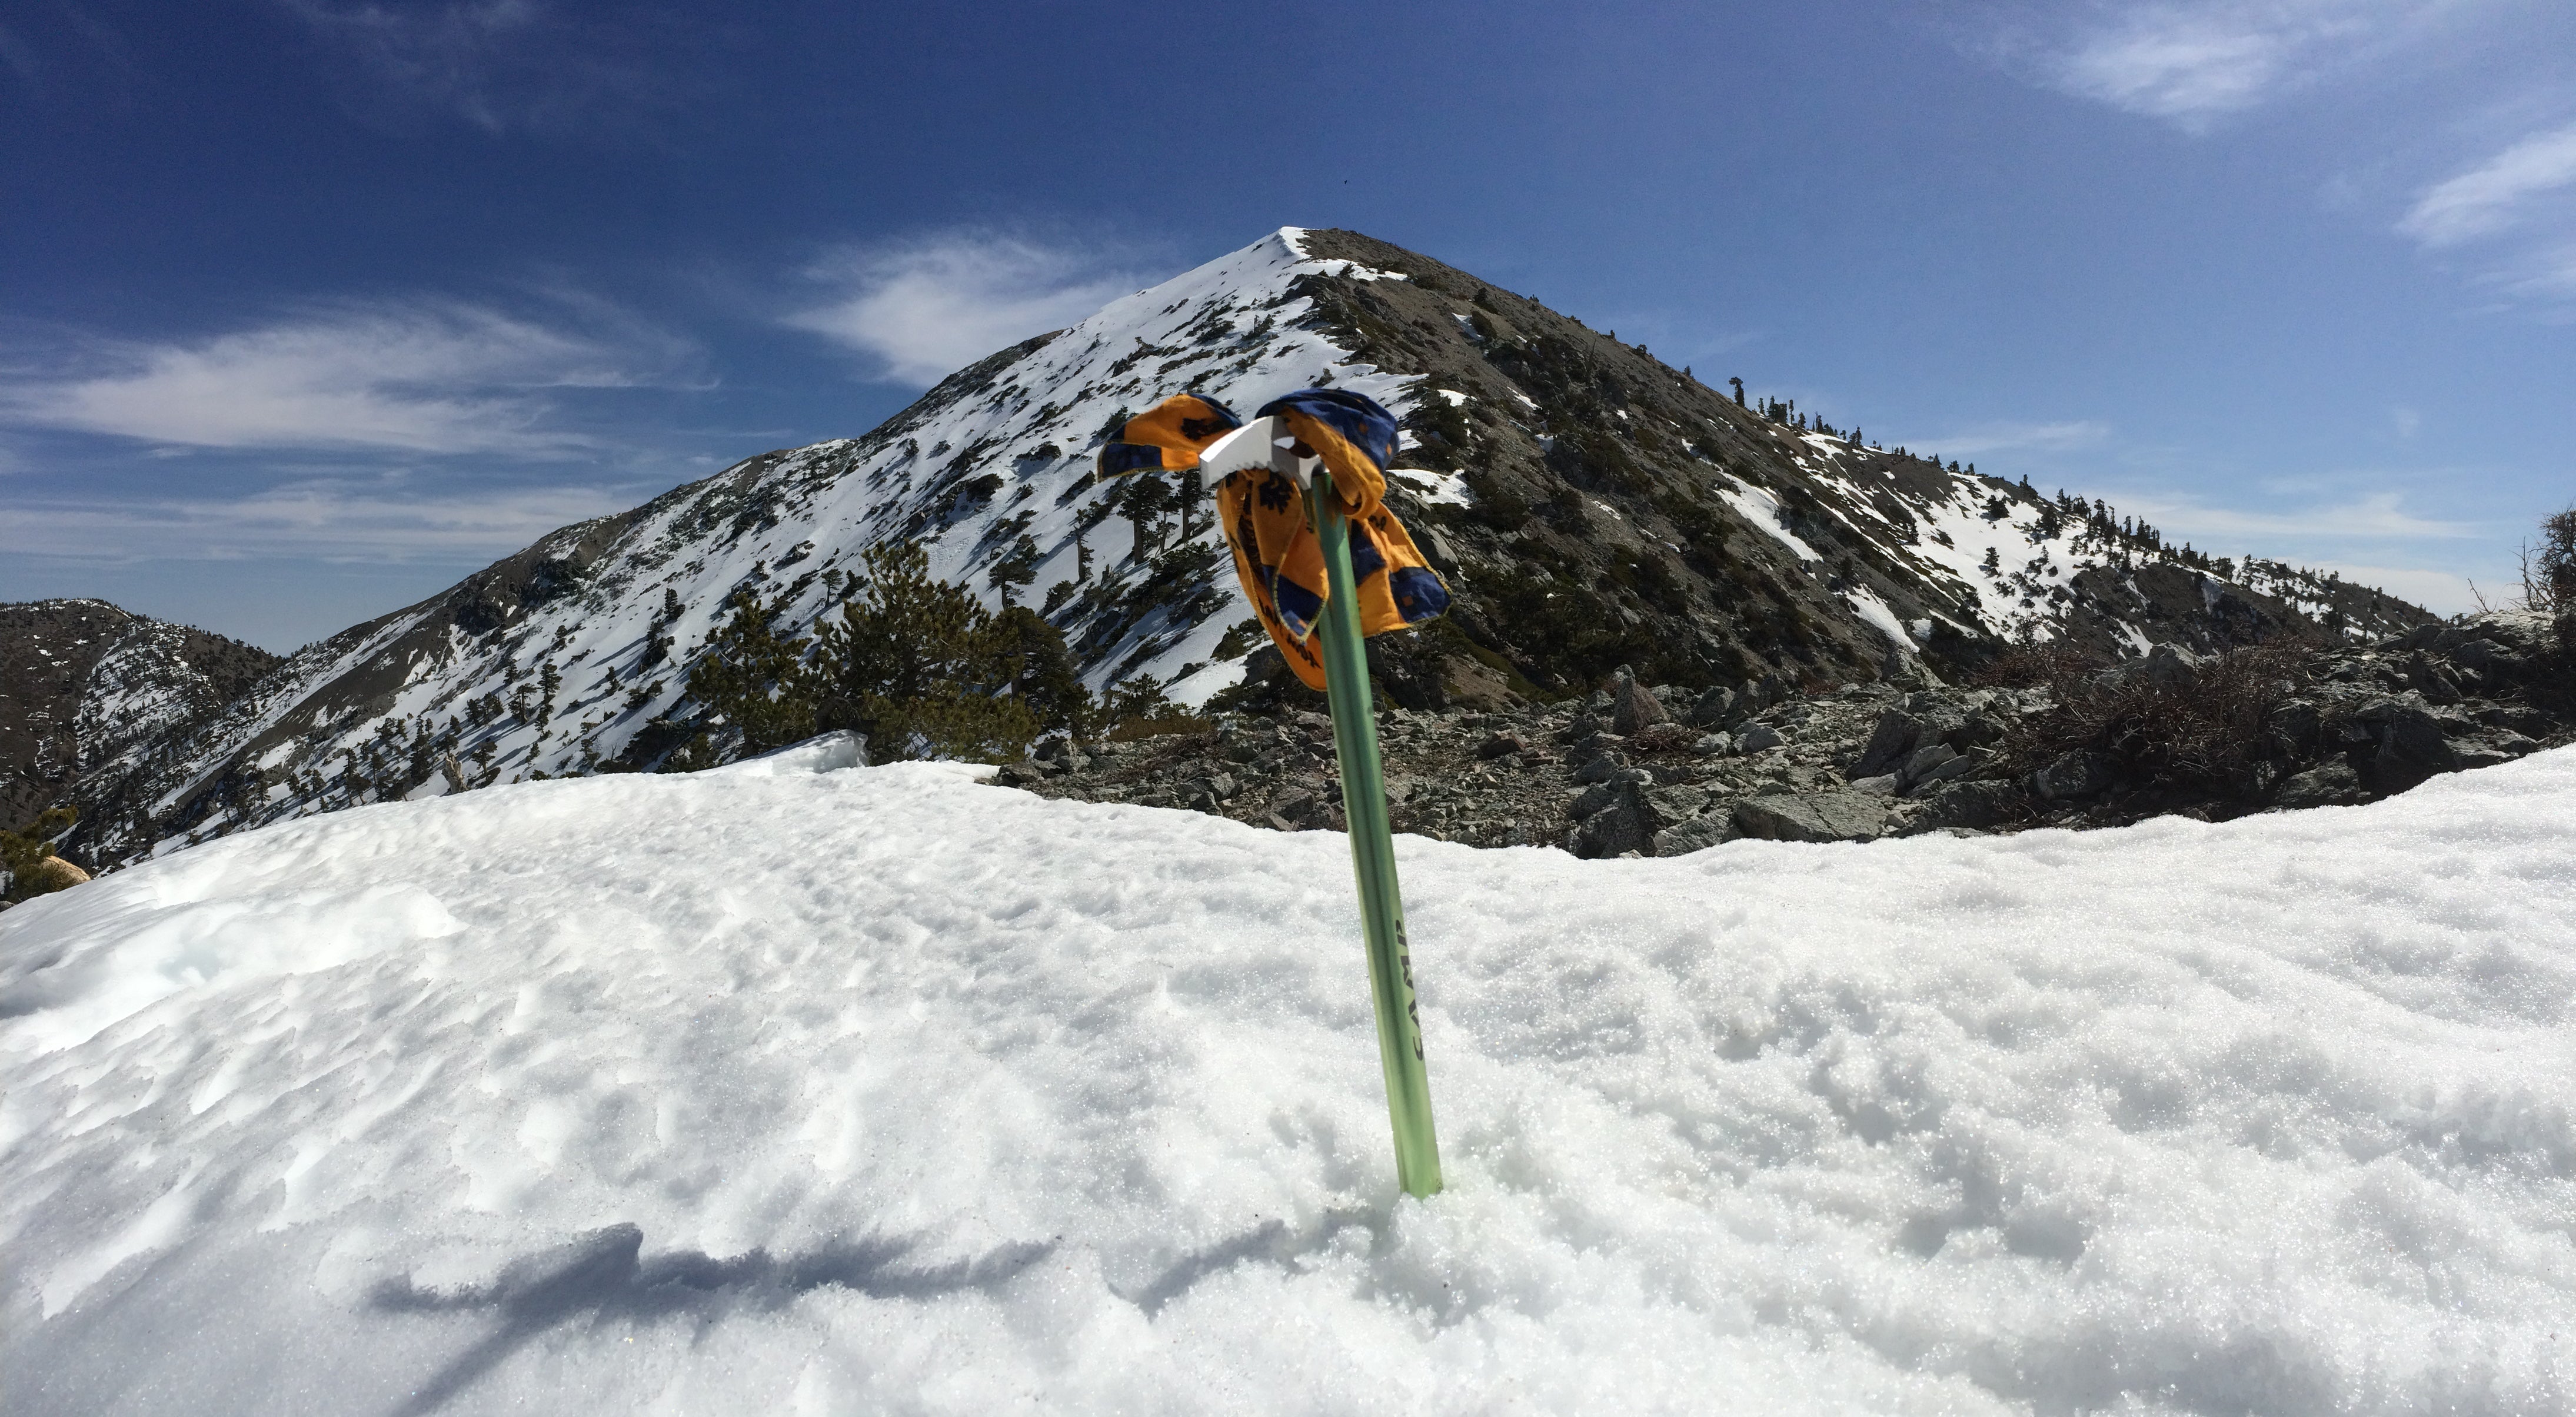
2029	666
2549	569
2209	731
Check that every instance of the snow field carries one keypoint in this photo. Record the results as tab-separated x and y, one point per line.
781	1089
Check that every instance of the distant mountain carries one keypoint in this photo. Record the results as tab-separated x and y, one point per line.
1590	505
88	691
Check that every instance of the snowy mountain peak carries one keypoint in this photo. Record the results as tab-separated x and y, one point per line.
1589	506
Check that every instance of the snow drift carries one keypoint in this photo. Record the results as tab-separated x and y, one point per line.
803	1090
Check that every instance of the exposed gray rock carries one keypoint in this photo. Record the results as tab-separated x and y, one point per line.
1600	769
2329	784
1977	805
2355	729
1813	816
2409	740
1924	761
1680	802
1694	834
1889	742
1627	822
1633	707
1714	708
2071	777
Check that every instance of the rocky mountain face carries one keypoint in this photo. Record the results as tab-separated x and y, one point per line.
1590	506
89	693
1665	771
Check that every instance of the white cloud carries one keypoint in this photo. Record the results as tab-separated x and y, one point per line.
1987	438
923	310
2496	194
500	65
2548	275
2195	62
374	520
2442	592
2375	516
415	377
2356	537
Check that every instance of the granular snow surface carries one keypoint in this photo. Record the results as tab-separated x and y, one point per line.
788	1088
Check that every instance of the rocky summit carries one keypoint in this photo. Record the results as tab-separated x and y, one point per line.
1637	770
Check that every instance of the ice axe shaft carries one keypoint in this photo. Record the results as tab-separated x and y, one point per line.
1346	686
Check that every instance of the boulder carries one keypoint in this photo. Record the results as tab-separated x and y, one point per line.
1889	742
1625	822
2070	777
1714	745
1812	816
1977	805
1695	834
2329	784
1883	785
1500	745
2405	742
1600	769
1679	802
1633	707
1761	737
1924	761
1714	708
2490	749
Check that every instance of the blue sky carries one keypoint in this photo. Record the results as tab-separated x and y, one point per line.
309	307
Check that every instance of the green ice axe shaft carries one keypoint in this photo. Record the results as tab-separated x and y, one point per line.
1346	685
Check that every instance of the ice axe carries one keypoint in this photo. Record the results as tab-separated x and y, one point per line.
1265	445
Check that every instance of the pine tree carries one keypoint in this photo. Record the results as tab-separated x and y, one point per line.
756	677
924	670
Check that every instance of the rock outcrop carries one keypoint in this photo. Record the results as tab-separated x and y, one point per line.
2335	724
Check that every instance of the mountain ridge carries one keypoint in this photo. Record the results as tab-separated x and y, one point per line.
1590	506
86	687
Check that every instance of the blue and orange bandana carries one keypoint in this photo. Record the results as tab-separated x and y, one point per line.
1276	556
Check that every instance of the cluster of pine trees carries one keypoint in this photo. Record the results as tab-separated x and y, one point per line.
917	665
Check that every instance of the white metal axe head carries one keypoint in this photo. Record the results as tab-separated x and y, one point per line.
1259	446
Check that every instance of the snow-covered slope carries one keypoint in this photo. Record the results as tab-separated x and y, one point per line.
790	1089
991	463
1590	505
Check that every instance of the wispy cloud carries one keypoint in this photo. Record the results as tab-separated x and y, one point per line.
390	518
2194	62
2547	275
2365	537
2373	516
2443	592
499	65
2496	194
416	376
924	309
1989	438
